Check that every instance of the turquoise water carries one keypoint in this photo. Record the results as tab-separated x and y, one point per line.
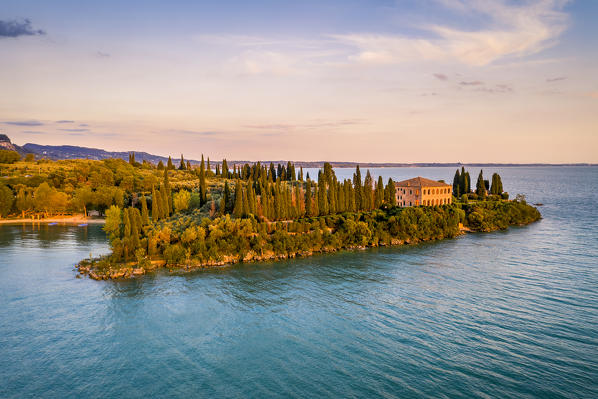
509	314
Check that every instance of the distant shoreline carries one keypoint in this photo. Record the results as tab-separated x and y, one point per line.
78	219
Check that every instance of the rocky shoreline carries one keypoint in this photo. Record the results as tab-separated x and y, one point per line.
133	269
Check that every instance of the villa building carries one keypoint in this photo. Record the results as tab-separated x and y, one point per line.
422	191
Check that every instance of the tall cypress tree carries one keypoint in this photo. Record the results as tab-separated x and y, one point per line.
169	165
457	184
238	208
358	189
156	212
164	207
308	203
480	185
496	187
368	198
322	197
182	164
168	193
224	172
392	192
203	189
144	211
379	198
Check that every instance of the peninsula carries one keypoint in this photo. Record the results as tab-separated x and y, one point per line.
187	217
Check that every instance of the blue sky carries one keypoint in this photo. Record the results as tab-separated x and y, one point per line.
403	81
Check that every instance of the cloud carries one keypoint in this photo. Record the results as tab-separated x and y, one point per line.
499	88
65	121
310	125
513	30
33	132
556	79
471	83
441	76
16	28
83	124
101	54
74	130
24	123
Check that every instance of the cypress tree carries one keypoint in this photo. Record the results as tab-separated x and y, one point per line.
245	202
496	187
368	198
168	194
144	212
225	173
308	202
160	165
467	187
457	184
379	192
238	208
169	164
301	173
392	192
188	165
156	212
481	186
322	197
203	190
357	189
298	201
182	164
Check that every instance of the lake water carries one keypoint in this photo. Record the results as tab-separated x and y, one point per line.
508	314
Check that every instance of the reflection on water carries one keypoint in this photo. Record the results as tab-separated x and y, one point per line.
506	314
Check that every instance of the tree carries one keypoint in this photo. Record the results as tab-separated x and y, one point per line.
30	157
496	187
358	189
9	156
168	194
322	197
480	186
457	184
368	197
181	200
182	165
169	164
144	211
308	202
203	190
113	221
6	200
225	199
160	165
391	193
379	194
82	198
156	211
225	173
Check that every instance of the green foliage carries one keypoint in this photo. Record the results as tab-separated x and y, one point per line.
181	200
9	156
493	215
480	185
6	200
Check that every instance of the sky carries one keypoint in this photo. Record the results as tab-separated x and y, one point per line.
340	80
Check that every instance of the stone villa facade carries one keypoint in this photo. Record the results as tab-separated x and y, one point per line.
421	191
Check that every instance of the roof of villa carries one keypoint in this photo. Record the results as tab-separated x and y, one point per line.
420	182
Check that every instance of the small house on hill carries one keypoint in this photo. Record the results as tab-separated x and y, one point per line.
422	191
